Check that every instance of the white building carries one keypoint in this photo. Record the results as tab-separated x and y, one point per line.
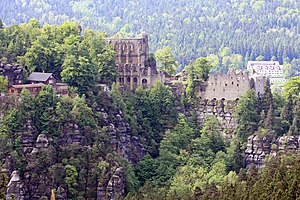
271	69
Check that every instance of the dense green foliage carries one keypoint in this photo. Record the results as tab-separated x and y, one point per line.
247	115
184	160
150	112
3	84
47	114
81	59
166	60
206	165
230	32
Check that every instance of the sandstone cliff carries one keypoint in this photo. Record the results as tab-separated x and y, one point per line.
261	147
40	152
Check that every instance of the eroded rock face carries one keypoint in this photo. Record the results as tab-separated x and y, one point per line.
15	187
71	135
36	183
122	140
61	193
112	186
13	72
116	184
258	148
222	109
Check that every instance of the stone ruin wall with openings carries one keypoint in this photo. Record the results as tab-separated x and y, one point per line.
135	68
220	94
230	86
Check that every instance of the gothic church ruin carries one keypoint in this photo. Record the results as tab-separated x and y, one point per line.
135	67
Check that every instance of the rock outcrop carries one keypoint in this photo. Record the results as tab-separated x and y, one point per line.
261	147
35	182
122	140
15	187
222	109
13	72
112	186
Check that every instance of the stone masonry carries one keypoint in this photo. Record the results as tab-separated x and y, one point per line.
135	68
232	86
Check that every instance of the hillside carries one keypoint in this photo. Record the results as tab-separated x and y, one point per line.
121	128
191	28
159	142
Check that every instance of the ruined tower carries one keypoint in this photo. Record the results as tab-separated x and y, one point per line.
135	67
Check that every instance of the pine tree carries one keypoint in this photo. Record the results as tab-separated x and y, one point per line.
1	24
287	110
295	128
267	97
246	115
286	116
238	159
269	122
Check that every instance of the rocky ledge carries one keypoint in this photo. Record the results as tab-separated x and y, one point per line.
261	147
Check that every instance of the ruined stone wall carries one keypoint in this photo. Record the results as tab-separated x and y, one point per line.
133	63
259	83
228	86
130	50
261	147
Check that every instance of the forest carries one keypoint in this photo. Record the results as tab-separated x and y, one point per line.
183	159
147	144
229	33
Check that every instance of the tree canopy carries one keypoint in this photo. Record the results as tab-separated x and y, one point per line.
235	31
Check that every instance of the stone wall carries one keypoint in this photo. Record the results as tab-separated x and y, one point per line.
232	86
261	147
228	86
134	66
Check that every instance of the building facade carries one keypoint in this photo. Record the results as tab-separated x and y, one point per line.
271	69
135	67
36	81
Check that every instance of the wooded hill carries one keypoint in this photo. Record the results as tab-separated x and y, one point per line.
94	138
192	29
